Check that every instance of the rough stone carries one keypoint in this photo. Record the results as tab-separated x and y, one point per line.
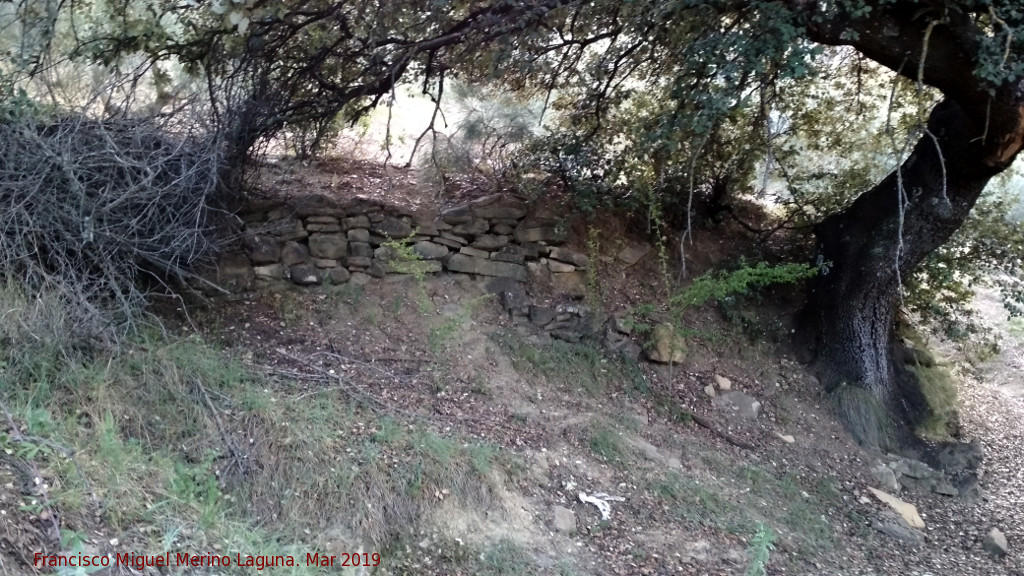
430	250
723	382
234	270
338	275
502	229
321	220
360	221
324	228
304	275
288	229
570	336
447	242
360	278
541	316
564	520
471	228
538	234
885	477
905	509
375	217
476	253
508	257
959	456
414	267
294	253
325	263
620	323
360	249
912	468
995	543
455	238
633	253
747	406
946	489
359	235
457	215
490	242
560	267
392	227
471	265
896	528
710	390
566	255
498	207
262	249
269	272
572	284
665	345
511	295
377	269
787	438
331	246
360	262
529	250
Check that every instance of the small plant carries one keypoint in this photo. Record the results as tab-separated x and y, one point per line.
405	260
761	546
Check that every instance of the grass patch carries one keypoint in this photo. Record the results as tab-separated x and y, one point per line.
940	390
607	445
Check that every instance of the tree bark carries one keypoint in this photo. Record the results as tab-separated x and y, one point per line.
871	247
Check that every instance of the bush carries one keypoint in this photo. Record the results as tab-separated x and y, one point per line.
93	207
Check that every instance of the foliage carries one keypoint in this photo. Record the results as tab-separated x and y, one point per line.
760	547
717	286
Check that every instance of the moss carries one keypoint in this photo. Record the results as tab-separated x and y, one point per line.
864	415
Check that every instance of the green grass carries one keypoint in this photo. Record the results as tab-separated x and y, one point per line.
607	445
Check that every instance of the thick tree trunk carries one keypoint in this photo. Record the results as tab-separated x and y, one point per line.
872	246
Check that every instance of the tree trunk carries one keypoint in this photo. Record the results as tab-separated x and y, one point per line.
871	247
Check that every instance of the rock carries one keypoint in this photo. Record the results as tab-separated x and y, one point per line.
452	244
541	316
323	228
572	284
429	250
946	489
666	346
234	270
564	520
338	276
511	295
566	255
377	269
502	229
905	509
969	488
745	404
476	253
995	543
538	234
262	250
360	279
288	229
723	382
294	253
498	207
507	257
321	220
471	228
360	262
896	528
331	246
324	263
560	267
959	456
269	272
449	236
710	390
304	275
570	336
490	242
360	221
885	477
787	438
471	265
633	253
359	235
912	468
457	215
393	228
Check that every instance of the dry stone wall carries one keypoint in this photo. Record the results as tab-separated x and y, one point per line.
315	240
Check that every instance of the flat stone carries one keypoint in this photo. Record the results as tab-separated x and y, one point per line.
560	267
269	272
905	509
361	262
415	267
360	221
499	208
325	263
338	276
665	346
502	228
472	228
330	246
912	468
538	234
359	235
898	530
321	220
723	382
511	295
507	257
787	438
995	543
455	238
452	244
294	253
262	249
529	250
946	489
471	265
566	255
476	253
360	279
457	215
323	228
564	520
288	229
710	390
633	253
747	406
304	275
430	250
490	242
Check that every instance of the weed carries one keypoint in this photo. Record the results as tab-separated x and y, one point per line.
607	444
760	547
405	260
